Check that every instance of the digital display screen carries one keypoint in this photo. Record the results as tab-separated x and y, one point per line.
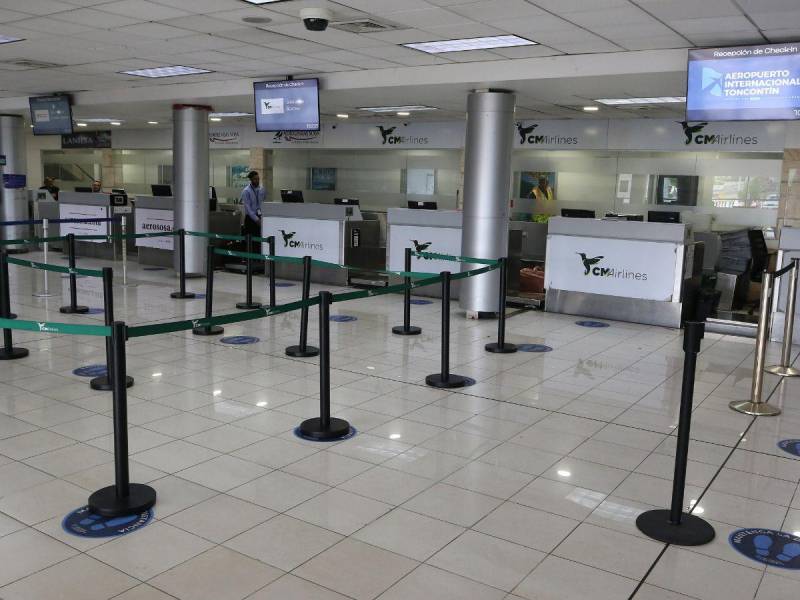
51	115
744	83
291	105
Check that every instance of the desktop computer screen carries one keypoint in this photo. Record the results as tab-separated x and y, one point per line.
161	190
422	205
575	213
663	216
292	196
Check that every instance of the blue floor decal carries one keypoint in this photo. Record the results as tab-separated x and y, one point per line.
343	318
95	311
534	348
84	523
284	284
91	371
592	324
154	268
776	548
790	446
240	340
420	302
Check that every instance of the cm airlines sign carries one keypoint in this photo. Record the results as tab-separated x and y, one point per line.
612	267
317	238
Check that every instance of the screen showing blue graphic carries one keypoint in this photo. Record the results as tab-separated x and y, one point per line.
744	83
51	115
287	105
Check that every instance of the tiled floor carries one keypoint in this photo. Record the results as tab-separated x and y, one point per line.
525	486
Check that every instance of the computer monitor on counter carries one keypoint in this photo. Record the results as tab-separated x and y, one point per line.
295	196
664	216
577	213
346	201
417	204
161	190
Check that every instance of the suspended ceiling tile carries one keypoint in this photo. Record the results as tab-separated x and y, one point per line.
488	11
142	10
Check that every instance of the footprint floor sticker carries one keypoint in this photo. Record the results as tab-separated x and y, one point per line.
776	548
790	446
84	523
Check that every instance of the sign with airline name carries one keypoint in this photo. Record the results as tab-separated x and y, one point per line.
561	134
87	213
317	238
224	138
612	267
441	240
153	220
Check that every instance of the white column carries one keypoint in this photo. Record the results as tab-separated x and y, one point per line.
13	201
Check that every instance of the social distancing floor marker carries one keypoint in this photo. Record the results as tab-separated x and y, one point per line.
592	324
91	371
790	446
84	523
240	340
534	348
775	548
343	318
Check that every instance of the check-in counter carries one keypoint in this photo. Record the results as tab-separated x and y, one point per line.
788	248
436	231
621	270
79	205
315	230
154	214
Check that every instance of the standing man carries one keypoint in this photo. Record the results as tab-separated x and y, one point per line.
252	197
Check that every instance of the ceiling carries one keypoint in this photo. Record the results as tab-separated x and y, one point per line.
80	46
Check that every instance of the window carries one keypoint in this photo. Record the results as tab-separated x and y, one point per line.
735	191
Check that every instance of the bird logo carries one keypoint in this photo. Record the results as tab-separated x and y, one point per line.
524	132
287	237
588	263
421	247
690	130
385	133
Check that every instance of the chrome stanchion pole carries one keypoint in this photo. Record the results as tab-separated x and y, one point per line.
784	369
756	406
45	293
124	229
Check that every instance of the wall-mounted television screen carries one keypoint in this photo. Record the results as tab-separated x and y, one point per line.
51	115
677	190
744	83
287	105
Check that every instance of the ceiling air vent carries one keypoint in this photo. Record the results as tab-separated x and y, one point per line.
363	26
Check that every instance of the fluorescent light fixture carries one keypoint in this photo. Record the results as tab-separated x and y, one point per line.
394	109
231	114
116	123
591	108
171	71
82	124
262	1
343	116
100	120
478	43
657	100
152	122
403	113
215	119
7	39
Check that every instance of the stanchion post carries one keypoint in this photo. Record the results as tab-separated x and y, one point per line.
8	351
209	329
303	350
103	383
45	293
271	271
501	347
445	379
406	328
756	406
73	307
248	302
181	293
785	368
123	498
674	526
325	427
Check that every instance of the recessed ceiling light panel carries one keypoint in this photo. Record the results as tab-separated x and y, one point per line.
7	39
230	114
171	71
395	109
479	43
655	100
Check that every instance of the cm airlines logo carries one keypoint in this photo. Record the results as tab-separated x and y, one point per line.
388	137
290	242
272	106
693	134
526	136
592	268
711	80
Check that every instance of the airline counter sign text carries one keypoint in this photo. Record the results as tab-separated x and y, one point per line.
320	239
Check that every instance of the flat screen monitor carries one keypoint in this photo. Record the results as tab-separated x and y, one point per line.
83	190
663	216
117	191
292	196
677	190
346	201
744	83
51	115
577	213
161	190
287	105
417	204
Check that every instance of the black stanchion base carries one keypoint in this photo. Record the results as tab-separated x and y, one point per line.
13	353
102	384
402	330
249	305
693	531
106	503
452	381
78	310
313	429
11	316
496	348
299	352
209	330
186	295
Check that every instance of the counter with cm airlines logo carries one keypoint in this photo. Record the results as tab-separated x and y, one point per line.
623	270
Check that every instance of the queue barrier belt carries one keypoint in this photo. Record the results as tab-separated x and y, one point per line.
119	236
216	236
451	258
37	240
53	327
57	268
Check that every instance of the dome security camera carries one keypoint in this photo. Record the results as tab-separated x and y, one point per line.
316	19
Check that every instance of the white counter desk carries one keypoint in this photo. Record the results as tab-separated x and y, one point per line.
621	270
